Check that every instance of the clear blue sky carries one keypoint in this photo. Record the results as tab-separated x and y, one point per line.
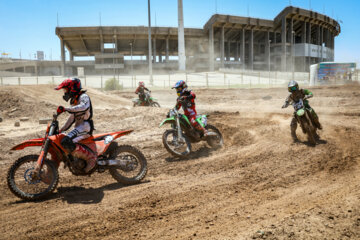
29	25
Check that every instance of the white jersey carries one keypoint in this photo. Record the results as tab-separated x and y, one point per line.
79	113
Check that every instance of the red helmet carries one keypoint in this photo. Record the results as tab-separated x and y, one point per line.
72	87
141	84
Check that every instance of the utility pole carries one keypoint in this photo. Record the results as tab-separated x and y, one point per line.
149	44
181	38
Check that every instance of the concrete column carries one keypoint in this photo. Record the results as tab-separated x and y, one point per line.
101	41
181	38
275	38
309	42
211	49
251	50
62	49
303	40
154	49
228	51
318	35
160	57
283	44
303	33
267	49
222	46
321	42
237	51
242	49
71	56
116	42
167	49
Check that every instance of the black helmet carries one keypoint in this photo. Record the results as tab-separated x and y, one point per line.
293	86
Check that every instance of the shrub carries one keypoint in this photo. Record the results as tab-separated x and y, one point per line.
112	84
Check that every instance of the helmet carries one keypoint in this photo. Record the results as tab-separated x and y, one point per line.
141	84
293	86
180	87
71	86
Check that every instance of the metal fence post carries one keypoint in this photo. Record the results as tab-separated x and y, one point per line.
101	82
19	81
85	80
2	83
37	80
53	81
207	80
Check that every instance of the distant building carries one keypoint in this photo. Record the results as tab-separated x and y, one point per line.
295	39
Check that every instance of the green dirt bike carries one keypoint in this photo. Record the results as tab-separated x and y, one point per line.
304	117
178	139
148	101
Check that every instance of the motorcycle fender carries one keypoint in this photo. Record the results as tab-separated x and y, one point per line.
38	142
167	120
300	112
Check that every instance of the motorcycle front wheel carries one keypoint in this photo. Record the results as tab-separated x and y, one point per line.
155	104
174	146
24	182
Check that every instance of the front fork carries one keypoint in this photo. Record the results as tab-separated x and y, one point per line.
42	157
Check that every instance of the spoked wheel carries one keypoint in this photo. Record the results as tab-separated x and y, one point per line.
177	147
155	104
310	133
133	165
24	182
214	141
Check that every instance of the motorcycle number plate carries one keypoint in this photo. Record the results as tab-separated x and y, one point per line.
108	139
300	112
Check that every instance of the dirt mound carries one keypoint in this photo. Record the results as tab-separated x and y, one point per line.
260	185
15	105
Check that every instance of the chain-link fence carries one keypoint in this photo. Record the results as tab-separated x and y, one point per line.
245	79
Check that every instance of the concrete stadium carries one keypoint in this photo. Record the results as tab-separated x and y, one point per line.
292	41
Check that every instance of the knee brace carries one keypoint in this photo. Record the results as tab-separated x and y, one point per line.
68	144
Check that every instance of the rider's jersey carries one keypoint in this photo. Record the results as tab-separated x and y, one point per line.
188	105
79	112
141	90
297	95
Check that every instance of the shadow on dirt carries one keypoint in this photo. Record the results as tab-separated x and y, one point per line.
75	194
201	152
309	144
88	195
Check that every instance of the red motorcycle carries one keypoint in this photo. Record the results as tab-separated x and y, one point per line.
34	177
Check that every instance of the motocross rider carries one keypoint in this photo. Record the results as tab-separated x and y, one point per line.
80	111
295	95
141	91
186	100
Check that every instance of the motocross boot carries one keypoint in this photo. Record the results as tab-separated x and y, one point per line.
87	155
201	129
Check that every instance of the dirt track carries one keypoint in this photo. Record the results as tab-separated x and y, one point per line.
258	186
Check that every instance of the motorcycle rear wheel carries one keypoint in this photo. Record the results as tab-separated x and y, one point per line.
214	141
23	184
135	161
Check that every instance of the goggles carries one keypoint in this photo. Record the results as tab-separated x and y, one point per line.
293	88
